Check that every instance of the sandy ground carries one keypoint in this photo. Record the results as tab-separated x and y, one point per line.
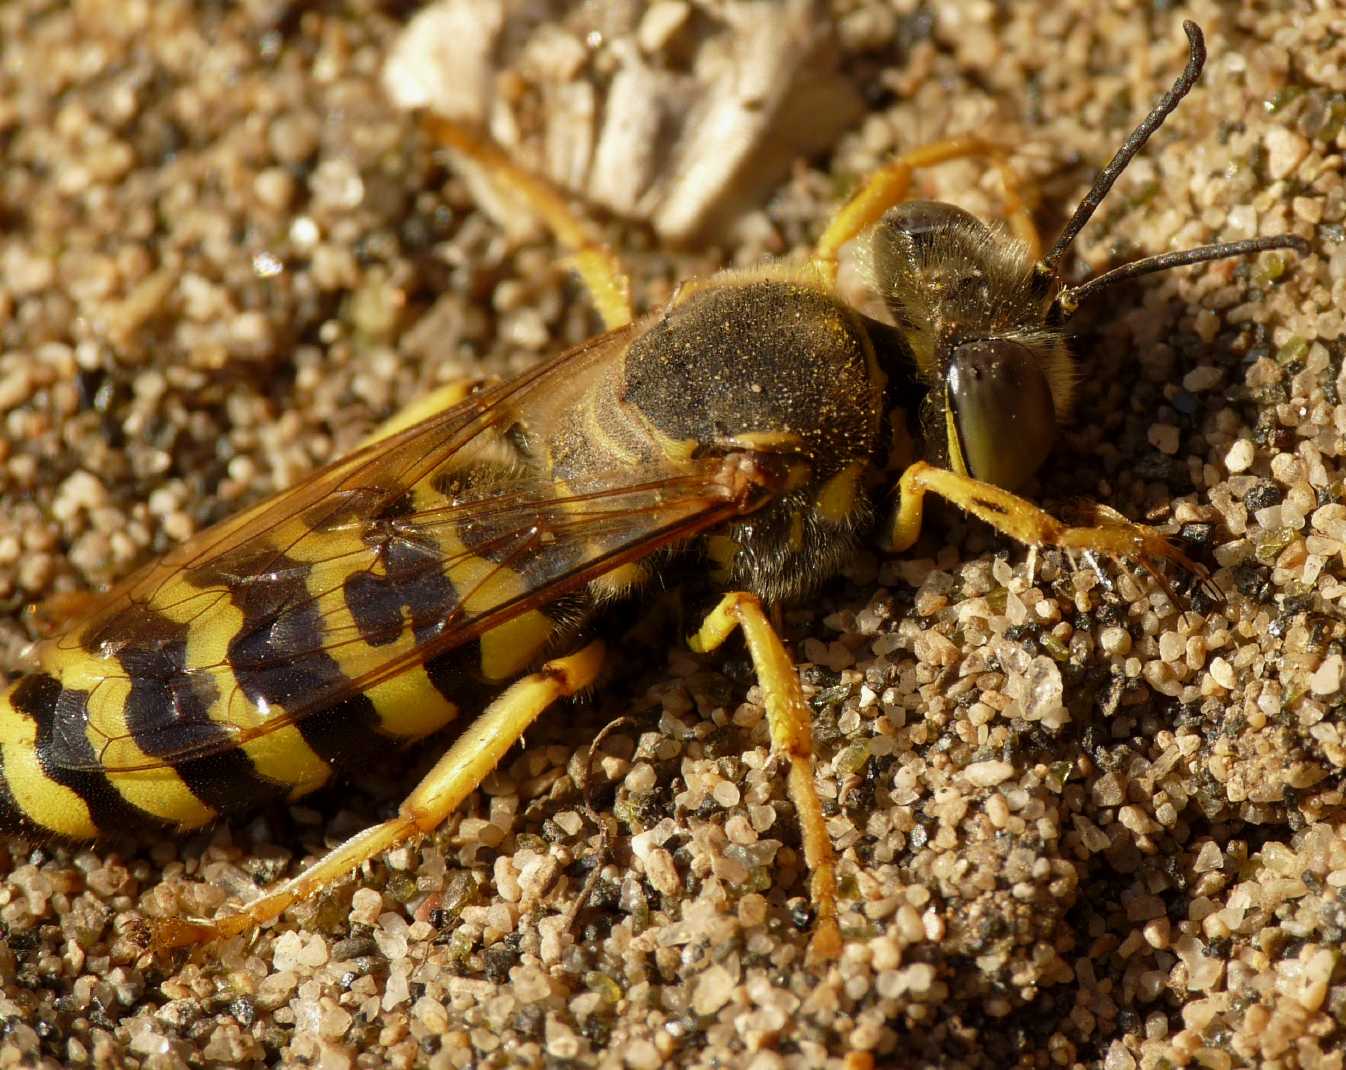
1078	827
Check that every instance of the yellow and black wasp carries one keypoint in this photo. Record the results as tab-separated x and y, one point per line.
751	421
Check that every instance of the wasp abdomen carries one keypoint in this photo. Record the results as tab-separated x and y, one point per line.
210	683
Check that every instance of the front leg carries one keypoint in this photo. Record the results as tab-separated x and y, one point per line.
1024	522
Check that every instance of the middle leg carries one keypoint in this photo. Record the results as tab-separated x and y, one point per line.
791	735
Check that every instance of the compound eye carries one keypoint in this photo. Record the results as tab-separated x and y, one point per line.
999	411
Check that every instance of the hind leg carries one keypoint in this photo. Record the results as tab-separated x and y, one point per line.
455	776
596	264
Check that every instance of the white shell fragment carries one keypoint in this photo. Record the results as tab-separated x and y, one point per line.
675	113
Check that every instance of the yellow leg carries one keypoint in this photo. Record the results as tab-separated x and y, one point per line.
593	261
59	611
455	776
1025	522
791	735
889	185
425	406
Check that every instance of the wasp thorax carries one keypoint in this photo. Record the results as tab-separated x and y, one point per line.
762	362
773	365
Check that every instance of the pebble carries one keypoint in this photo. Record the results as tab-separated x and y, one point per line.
712	990
1115	640
1201	378
640	1054
661	21
1326	679
1165	438
1286	150
1240	456
988	774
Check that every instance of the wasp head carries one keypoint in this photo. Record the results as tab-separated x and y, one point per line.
971	309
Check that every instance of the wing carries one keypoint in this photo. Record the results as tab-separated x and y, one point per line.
407	548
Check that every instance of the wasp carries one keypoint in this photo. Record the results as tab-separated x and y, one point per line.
458	558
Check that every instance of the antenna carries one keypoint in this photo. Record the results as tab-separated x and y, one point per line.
1196	59
1070	298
